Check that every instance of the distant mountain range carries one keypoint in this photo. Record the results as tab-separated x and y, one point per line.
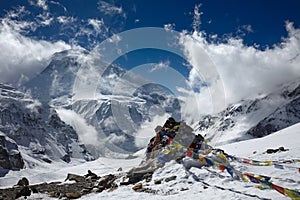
120	103
254	117
32	127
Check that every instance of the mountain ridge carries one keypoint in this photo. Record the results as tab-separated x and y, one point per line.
122	101
42	135
256	117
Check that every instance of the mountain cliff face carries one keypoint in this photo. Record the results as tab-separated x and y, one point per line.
28	128
10	156
254	117
119	104
284	116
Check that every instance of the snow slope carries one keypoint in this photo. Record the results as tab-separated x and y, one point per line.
205	183
252	118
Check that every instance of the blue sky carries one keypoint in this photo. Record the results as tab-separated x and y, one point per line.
260	22
265	17
254	45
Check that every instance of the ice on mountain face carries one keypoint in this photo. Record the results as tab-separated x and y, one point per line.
57	79
141	107
253	118
38	130
111	100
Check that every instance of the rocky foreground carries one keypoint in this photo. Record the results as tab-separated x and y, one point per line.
76	186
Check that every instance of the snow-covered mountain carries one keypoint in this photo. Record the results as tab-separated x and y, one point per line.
174	181
254	117
119	136
58	78
30	130
120	102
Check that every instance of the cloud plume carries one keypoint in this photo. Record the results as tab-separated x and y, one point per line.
245	71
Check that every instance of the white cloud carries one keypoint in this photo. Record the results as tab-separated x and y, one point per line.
45	19
98	25
160	65
115	39
243	30
92	29
65	19
110	9
169	27
21	55
13	18
87	134
39	3
214	36
197	17
59	4
42	4
245	71
248	28
195	104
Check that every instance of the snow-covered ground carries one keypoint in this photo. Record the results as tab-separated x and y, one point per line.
205	183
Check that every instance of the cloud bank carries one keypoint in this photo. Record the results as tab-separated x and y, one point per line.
22	56
245	71
25	52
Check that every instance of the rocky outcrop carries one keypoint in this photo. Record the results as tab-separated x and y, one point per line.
76	187
283	117
10	157
83	185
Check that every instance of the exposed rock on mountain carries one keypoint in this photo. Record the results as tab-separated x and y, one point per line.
10	156
287	115
254	117
113	101
28	127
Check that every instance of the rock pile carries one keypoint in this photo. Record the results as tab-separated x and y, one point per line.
82	185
